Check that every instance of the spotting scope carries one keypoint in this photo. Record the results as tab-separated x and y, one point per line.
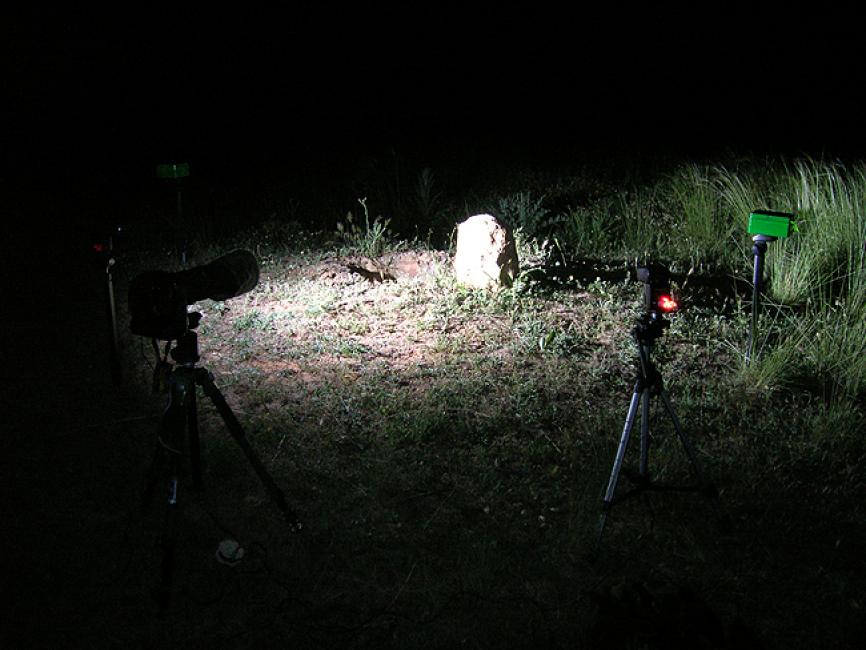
158	299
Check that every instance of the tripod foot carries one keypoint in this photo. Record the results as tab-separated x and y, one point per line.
205	380
595	551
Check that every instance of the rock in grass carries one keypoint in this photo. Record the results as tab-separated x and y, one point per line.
486	255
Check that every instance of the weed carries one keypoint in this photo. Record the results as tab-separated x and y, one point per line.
253	319
371	239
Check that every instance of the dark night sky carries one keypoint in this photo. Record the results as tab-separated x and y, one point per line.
230	88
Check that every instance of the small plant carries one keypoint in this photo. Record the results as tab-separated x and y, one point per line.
253	319
371	240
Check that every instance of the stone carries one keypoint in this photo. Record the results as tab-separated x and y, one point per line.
486	256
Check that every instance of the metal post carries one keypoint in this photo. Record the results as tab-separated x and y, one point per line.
184	233
759	249
114	350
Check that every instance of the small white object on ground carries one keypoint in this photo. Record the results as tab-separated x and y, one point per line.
229	552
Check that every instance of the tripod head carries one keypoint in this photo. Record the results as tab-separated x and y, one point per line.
649	327
185	351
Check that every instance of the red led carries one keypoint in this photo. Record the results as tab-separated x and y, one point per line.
667	304
98	248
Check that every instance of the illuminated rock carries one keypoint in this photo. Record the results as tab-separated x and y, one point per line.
486	255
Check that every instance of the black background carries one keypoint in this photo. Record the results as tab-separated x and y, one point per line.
239	90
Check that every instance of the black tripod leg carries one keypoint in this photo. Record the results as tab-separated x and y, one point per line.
698	472
758	249
707	487
617	463
169	434
194	441
169	546
206	381
154	472
174	421
644	435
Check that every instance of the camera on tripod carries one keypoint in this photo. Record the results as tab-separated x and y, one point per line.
158	302
658	301
648	385
158	299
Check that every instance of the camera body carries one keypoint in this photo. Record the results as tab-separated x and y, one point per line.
657	289
157	306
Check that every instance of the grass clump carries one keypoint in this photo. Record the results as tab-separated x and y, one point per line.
828	201
704	233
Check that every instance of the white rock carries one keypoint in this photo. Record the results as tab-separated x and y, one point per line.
486	255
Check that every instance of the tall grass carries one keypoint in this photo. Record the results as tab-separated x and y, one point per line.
427	195
589	230
626	224
828	201
705	232
821	268
642	223
822	349
836	353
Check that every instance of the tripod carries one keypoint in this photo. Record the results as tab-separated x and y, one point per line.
181	416
648	384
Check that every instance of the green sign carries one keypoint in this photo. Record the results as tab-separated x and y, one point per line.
172	170
771	224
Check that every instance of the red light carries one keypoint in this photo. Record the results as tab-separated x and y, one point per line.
98	248
667	304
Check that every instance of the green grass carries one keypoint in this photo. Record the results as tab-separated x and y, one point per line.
704	233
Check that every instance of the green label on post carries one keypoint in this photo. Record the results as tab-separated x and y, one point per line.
172	170
771	224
